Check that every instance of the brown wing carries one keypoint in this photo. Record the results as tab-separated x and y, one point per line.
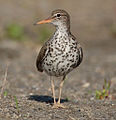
80	56
80	52
41	57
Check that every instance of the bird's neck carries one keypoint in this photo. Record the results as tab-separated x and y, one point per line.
62	30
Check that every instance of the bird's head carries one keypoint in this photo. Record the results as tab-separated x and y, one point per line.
57	18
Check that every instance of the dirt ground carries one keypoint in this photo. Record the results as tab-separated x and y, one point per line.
32	89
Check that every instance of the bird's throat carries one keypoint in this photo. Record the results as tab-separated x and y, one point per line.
62	29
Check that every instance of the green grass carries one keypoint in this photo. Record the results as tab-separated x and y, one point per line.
16	102
5	93
15	31
104	93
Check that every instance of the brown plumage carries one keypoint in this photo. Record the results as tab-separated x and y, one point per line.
41	57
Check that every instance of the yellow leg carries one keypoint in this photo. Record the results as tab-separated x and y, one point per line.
60	91
53	91
58	105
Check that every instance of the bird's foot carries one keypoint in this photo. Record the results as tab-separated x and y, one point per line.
58	105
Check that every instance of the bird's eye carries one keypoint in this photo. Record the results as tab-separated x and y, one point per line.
58	15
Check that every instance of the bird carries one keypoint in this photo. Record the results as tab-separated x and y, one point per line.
61	53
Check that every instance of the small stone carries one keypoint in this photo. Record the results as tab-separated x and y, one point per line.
86	85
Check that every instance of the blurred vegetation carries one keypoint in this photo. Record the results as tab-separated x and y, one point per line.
5	93
113	30
44	34
104	93
15	31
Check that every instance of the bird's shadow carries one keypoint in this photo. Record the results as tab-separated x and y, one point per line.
44	98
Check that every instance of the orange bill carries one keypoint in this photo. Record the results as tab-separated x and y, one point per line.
44	21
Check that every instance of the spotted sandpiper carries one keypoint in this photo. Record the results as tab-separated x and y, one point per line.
61	53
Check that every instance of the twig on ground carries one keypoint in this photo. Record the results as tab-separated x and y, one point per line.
4	81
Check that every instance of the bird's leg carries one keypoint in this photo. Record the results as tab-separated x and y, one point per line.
53	91
57	104
60	91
